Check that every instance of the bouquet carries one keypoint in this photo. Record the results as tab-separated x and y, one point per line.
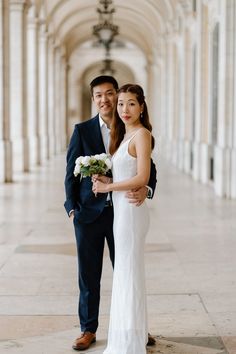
87	166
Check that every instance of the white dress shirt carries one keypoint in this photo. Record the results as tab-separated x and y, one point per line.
105	131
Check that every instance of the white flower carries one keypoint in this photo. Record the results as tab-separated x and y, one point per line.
100	156
86	160
77	170
86	166
78	160
108	163
103	156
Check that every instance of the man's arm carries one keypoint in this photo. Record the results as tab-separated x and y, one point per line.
153	179
74	151
138	196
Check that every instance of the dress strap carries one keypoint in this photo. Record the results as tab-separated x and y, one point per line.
134	134
128	140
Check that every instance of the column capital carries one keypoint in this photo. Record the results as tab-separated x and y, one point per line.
19	5
43	31
190	22
20	2
32	18
32	22
185	5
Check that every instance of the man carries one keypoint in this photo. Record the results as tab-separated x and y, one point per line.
93	216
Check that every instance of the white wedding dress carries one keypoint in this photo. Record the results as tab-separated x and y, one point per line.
128	333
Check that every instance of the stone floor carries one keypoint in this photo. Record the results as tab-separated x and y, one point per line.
190	268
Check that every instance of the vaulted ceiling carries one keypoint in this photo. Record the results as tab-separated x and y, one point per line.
140	21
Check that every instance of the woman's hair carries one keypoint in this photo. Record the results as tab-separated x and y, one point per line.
118	127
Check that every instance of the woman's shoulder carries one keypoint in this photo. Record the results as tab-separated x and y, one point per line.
142	137
144	132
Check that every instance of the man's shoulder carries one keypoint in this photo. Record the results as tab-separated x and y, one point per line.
87	123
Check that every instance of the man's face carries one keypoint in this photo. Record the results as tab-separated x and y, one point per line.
104	97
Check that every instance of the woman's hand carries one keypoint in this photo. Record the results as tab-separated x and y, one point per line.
100	187
101	178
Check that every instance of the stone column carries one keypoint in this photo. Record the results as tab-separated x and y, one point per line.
225	151
198	102
43	93
206	149
169	95
51	97
67	109
220	154
160	81
60	95
63	104
75	94
32	88
188	107
17	62
175	103
5	143
233	152
180	97
153	96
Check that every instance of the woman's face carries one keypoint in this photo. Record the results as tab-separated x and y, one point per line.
128	108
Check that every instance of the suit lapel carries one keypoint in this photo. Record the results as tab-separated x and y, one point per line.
98	136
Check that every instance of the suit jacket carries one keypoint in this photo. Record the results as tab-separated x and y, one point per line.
87	140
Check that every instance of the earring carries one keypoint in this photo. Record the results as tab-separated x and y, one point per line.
141	115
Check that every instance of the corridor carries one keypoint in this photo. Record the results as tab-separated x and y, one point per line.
190	267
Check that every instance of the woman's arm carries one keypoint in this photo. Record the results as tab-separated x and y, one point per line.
142	145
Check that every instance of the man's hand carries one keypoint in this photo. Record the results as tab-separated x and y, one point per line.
137	196
72	214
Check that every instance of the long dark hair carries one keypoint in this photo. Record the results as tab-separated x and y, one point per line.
118	127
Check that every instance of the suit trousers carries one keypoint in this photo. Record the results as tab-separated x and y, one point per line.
90	240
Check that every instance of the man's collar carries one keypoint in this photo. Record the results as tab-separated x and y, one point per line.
101	122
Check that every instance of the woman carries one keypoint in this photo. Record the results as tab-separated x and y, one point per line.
131	144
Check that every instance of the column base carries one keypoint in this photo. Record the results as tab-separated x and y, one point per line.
206	155
180	158
33	143
187	156
20	155
43	148
5	161
196	161
174	153
51	146
166	147
222	171
233	174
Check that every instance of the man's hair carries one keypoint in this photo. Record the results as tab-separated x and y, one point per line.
102	80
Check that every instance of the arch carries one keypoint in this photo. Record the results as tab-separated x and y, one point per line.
70	19
125	72
95	56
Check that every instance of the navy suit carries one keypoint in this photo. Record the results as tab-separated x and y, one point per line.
93	220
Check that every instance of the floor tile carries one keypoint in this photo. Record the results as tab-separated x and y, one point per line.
189	260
